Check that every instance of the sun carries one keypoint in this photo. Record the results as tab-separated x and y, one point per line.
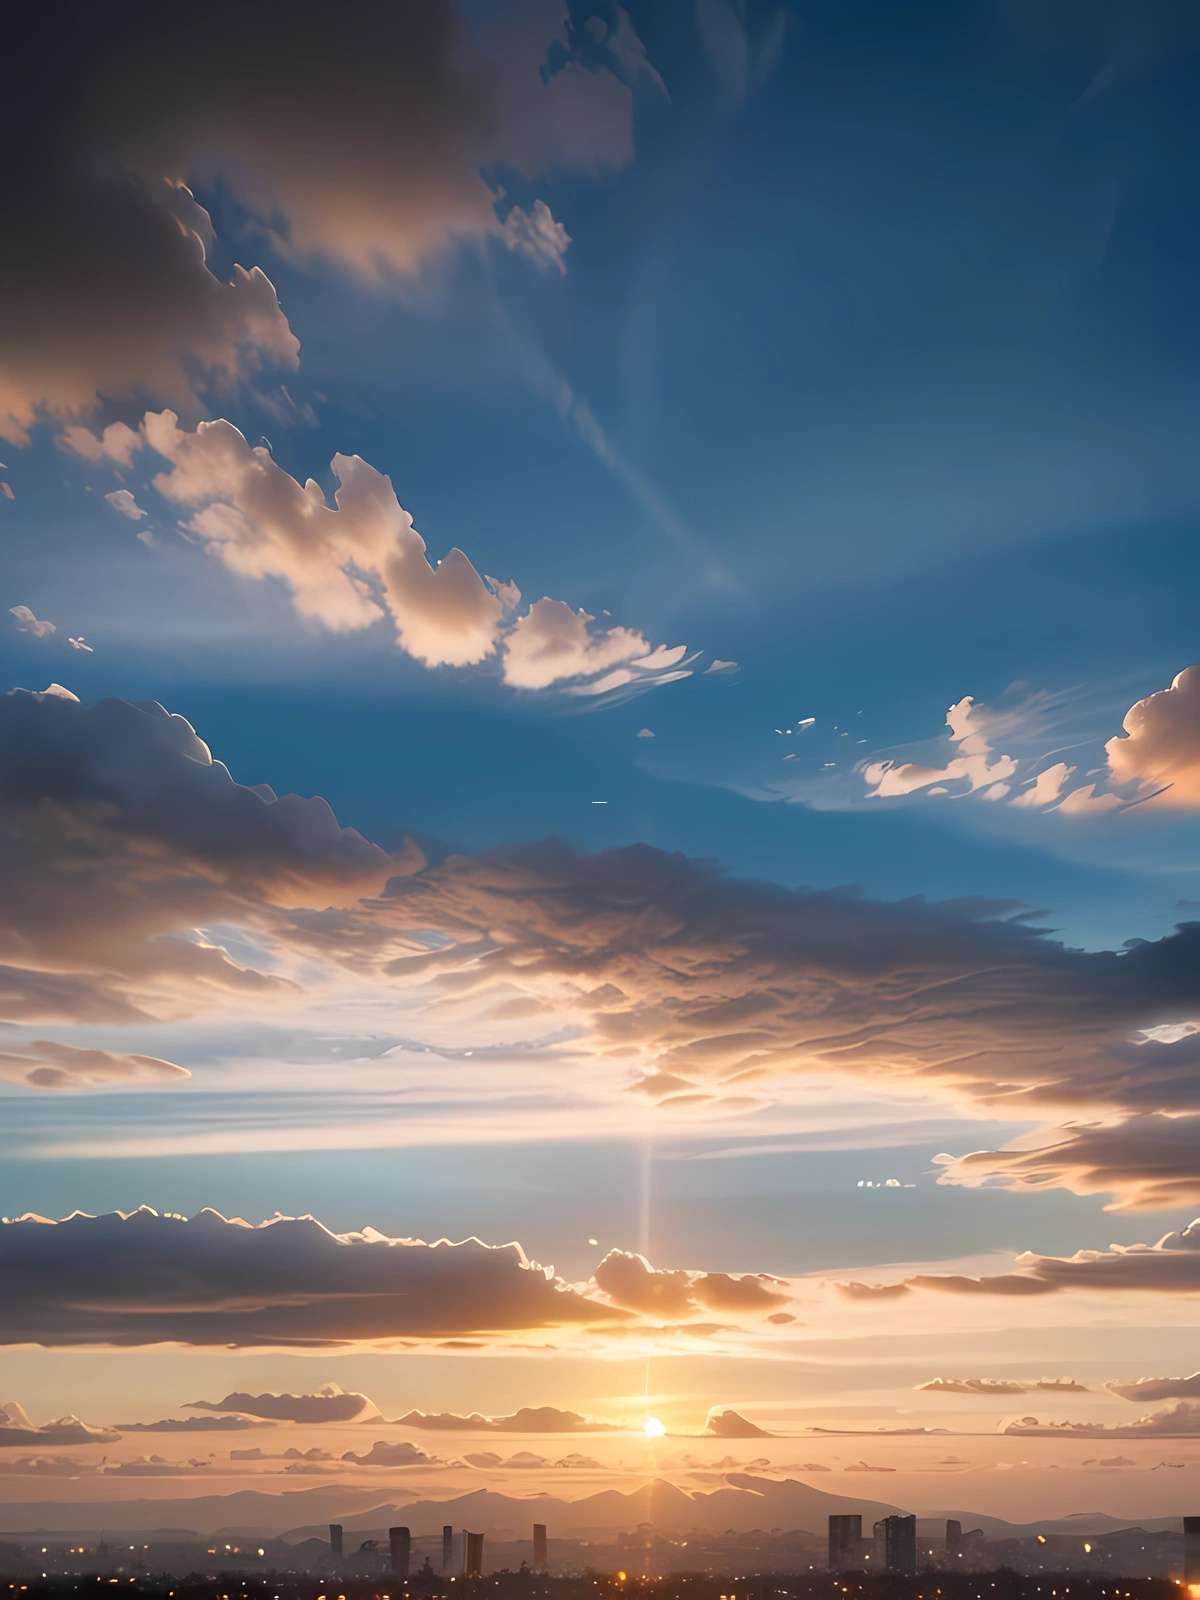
654	1429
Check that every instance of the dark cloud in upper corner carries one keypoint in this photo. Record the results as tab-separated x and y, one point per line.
105	289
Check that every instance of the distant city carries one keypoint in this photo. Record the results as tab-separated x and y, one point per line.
901	1555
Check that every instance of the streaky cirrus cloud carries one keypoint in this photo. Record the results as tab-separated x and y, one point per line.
1150	1389
1181	1420
145	1277
330	1403
362	562
17	1431
1002	1386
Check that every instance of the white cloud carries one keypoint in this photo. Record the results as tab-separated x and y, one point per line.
123	501
536	235
80	643
27	622
117	443
1160	745
17	1430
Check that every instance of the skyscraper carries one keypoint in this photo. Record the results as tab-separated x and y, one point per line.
953	1538
399	1551
845	1543
335	1540
1191	1550
447	1546
541	1552
896	1542
472	1555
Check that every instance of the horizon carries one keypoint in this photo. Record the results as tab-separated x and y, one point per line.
600	757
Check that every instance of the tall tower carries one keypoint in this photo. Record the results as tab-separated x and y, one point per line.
399	1551
953	1538
447	1546
335	1540
845	1543
1191	1550
900	1544
541	1551
472	1555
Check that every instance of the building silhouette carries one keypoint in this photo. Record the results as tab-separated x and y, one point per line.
541	1550
953	1538
472	1555
1191	1550
447	1546
896	1544
335	1540
399	1551
845	1543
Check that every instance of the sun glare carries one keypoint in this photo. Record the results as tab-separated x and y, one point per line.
654	1429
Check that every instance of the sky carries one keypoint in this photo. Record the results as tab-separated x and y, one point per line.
600	750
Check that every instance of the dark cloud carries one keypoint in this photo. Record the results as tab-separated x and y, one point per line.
17	1431
1001	1386
143	1278
529	1419
1149	1389
732	1425
1169	1266
331	1403
193	1424
384	1453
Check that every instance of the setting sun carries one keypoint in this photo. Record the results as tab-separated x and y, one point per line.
654	1429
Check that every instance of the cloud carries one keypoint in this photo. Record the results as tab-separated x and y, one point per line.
646	733
193	1424
631	1282
390	1454
536	235
109	294
717	665
1169	1266
118	443
123	501
331	1403
1001	1386
17	1431
362	562
1181	1420
143	1277
1149	1389
972	730
1110	1461
732	1425
1046	788
1160	745
27	622
528	1419
45	1064
80	643
863	1466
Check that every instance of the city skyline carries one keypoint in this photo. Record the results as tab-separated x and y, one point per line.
600	758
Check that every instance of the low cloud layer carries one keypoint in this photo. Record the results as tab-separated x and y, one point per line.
1180	1421
725	1424
1001	1386
17	1431
528	1419
1150	1389
143	1278
45	1064
331	1403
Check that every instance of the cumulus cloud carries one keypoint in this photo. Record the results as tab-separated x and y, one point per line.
385	1453
362	562
1160	745
143	1278
27	622
123	501
330	1403
631	1282
732	1425
45	1064
973	766
17	1431
528	1419
117	443
1181	1420
1001	1386
1149	1389
536	235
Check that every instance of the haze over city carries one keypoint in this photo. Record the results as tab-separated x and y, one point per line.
599	779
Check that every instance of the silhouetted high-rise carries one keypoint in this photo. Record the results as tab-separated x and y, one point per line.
335	1540
541	1550
896	1544
472	1555
447	1546
845	1543
953	1538
1191	1550
399	1551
